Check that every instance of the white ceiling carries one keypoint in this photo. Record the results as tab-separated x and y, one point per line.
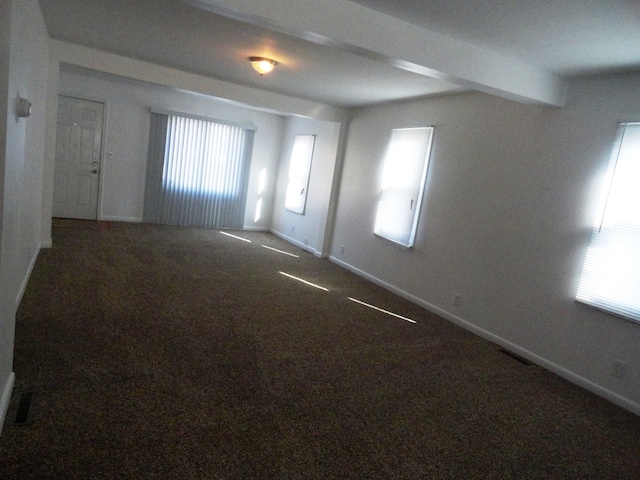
351	53
566	37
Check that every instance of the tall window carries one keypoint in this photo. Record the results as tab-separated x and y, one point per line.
299	169
403	179
610	277
197	172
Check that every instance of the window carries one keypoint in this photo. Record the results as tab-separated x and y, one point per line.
403	178
610	278
197	172
299	169
262	182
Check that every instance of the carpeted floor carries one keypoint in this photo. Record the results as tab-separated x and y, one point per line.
182	353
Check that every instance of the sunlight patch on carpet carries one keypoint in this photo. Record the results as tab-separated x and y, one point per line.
304	281
236	237
281	251
381	310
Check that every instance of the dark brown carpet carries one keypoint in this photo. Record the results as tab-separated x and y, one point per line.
181	353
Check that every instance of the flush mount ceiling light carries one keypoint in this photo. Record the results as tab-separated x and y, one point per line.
262	65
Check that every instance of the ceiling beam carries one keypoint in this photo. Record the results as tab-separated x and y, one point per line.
100	61
371	34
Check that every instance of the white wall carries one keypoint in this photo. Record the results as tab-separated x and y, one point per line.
23	72
251	101
126	137
308	230
505	223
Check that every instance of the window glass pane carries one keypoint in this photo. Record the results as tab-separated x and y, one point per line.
403	177
610	278
299	169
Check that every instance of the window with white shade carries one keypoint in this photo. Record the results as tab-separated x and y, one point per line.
299	169
610	278
403	179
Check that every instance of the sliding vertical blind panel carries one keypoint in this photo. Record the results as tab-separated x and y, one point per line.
201	178
610	278
403	179
155	162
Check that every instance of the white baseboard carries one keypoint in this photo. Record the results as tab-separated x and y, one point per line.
25	280
481	332
109	218
296	243
253	228
6	398
46	243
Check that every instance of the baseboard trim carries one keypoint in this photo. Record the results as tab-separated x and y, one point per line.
297	243
252	228
6	398
109	218
25	280
487	335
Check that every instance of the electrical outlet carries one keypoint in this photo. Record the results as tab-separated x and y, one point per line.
306	241
342	249
292	228
457	298
618	369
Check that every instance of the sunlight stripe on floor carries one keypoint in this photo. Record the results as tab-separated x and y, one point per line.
281	251
382	310
304	281
234	236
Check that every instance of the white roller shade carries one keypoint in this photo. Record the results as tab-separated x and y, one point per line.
299	170
610	277
403	179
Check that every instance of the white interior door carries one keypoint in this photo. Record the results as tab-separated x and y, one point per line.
78	158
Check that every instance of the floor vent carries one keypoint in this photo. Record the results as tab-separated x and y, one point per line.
517	357
24	415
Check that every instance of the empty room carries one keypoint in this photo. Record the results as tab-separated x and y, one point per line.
319	239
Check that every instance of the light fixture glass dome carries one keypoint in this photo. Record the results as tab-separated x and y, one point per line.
262	65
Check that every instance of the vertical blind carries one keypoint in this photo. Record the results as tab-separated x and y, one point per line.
610	278
403	178
197	172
